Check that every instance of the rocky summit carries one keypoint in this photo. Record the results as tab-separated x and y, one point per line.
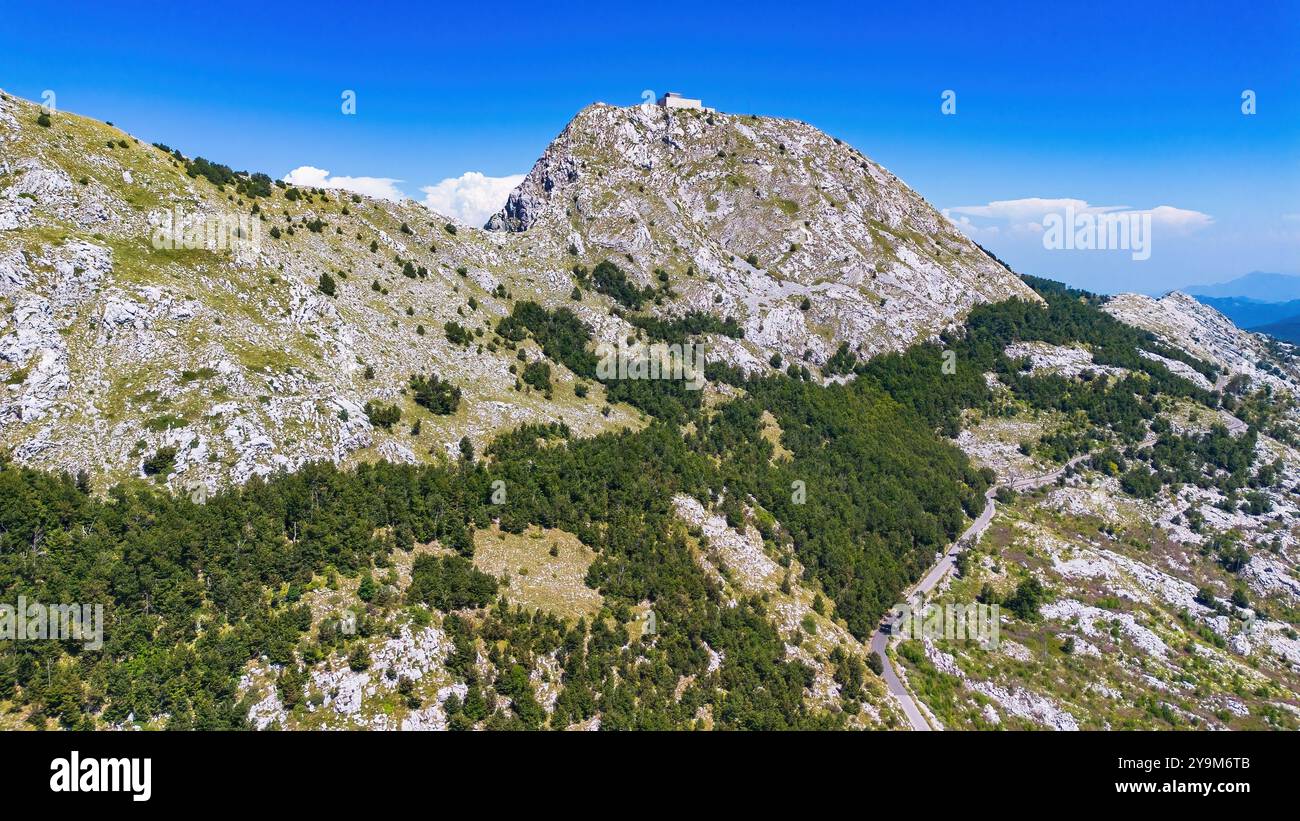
125	330
762	213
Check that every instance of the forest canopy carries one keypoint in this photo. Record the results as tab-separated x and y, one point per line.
194	592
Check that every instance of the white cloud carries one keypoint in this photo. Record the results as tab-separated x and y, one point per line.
1180	218
1026	215
382	188
967	226
472	197
1019	214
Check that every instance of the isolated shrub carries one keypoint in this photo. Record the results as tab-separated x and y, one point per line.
359	658
458	334
367	589
538	374
161	463
609	279
1205	596
434	394
1240	597
1028	597
381	415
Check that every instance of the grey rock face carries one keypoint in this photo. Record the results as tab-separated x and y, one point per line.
112	347
750	216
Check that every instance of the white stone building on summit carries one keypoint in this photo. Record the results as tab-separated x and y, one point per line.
674	100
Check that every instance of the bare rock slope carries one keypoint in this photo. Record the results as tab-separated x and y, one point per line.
751	216
1195	327
239	361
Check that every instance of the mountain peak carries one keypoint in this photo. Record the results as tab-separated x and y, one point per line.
753	215
266	355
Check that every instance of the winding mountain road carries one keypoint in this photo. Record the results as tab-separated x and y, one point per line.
880	640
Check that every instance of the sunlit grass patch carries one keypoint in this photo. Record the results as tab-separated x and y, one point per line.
546	569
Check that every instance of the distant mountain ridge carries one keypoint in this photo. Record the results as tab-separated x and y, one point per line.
1260	286
1287	330
1251	314
1263	302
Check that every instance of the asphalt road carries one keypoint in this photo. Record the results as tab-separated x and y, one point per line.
880	641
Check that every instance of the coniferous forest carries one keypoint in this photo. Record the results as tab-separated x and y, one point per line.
194	592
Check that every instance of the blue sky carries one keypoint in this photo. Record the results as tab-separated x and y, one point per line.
1108	104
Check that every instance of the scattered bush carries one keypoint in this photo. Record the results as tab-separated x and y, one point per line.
161	463
458	334
609	279
381	415
538	374
435	395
